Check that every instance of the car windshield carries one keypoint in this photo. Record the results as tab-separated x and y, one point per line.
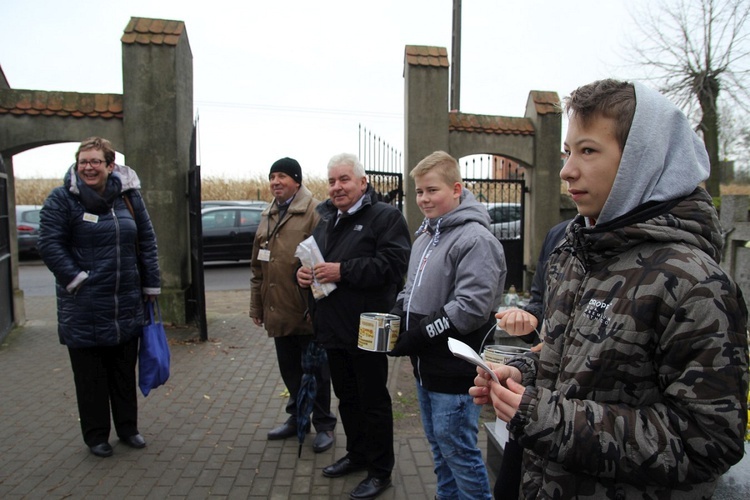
32	216
250	217
219	218
505	213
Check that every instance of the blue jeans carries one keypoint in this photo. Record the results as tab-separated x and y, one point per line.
451	424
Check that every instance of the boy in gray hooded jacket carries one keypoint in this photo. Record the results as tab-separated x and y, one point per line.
454	284
640	389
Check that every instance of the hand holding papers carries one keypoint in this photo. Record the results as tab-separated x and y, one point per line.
309	254
463	351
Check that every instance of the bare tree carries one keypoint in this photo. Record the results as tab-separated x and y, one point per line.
696	50
734	137
735	143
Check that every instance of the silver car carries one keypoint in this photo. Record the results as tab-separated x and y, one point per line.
233	203
27	228
505	220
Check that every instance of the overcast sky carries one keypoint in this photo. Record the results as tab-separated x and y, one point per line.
297	78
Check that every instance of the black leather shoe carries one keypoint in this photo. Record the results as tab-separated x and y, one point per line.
342	467
371	487
285	430
101	450
323	441
134	441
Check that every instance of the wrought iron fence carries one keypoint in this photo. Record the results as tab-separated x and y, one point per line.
500	184
493	179
383	166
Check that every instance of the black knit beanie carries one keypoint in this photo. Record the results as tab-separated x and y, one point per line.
289	166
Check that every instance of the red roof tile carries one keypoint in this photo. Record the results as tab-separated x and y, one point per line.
422	55
36	102
546	102
146	31
505	125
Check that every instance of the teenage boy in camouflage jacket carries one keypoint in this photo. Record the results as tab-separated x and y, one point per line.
640	390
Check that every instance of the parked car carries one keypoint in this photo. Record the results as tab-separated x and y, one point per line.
505	220
229	231
231	203
27	227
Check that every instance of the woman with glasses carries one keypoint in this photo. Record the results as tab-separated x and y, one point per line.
96	237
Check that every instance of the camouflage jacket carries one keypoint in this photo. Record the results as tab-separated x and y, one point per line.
640	389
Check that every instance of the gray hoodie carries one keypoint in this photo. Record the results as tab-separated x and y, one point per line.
457	264
663	157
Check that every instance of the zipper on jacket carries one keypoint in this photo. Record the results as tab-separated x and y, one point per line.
417	282
117	273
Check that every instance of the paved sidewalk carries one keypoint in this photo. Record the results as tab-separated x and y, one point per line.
206	429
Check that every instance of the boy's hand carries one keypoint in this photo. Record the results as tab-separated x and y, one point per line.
484	386
516	322
481	390
432	329
410	342
397	311
506	398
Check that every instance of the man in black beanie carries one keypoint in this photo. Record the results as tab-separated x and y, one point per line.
288	166
276	301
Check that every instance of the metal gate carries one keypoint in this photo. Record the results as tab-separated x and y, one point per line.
6	287
501	186
495	181
195	310
383	167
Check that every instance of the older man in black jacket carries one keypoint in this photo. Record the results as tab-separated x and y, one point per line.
366	245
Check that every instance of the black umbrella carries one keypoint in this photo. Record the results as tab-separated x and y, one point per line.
312	359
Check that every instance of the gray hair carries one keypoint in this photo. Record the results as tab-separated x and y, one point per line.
350	160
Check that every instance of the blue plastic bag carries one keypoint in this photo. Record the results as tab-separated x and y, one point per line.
153	355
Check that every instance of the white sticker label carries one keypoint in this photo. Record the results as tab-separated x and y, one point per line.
90	217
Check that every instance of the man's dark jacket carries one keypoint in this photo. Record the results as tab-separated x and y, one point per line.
373	246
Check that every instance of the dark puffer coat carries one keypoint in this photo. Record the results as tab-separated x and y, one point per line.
98	254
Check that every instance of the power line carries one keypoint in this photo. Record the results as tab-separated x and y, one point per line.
296	109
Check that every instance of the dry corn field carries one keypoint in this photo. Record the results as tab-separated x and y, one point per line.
34	191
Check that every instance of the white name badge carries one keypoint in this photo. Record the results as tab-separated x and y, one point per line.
264	255
90	217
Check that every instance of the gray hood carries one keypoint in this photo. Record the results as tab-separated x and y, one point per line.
663	157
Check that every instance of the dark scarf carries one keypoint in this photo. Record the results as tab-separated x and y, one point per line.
95	203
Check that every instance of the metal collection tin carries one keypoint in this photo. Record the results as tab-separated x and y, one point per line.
378	332
502	353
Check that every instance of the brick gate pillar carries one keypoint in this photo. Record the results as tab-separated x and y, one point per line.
157	68
425	114
543	181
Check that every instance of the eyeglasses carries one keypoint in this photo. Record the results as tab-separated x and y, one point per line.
94	163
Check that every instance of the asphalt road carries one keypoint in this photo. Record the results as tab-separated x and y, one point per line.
37	281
